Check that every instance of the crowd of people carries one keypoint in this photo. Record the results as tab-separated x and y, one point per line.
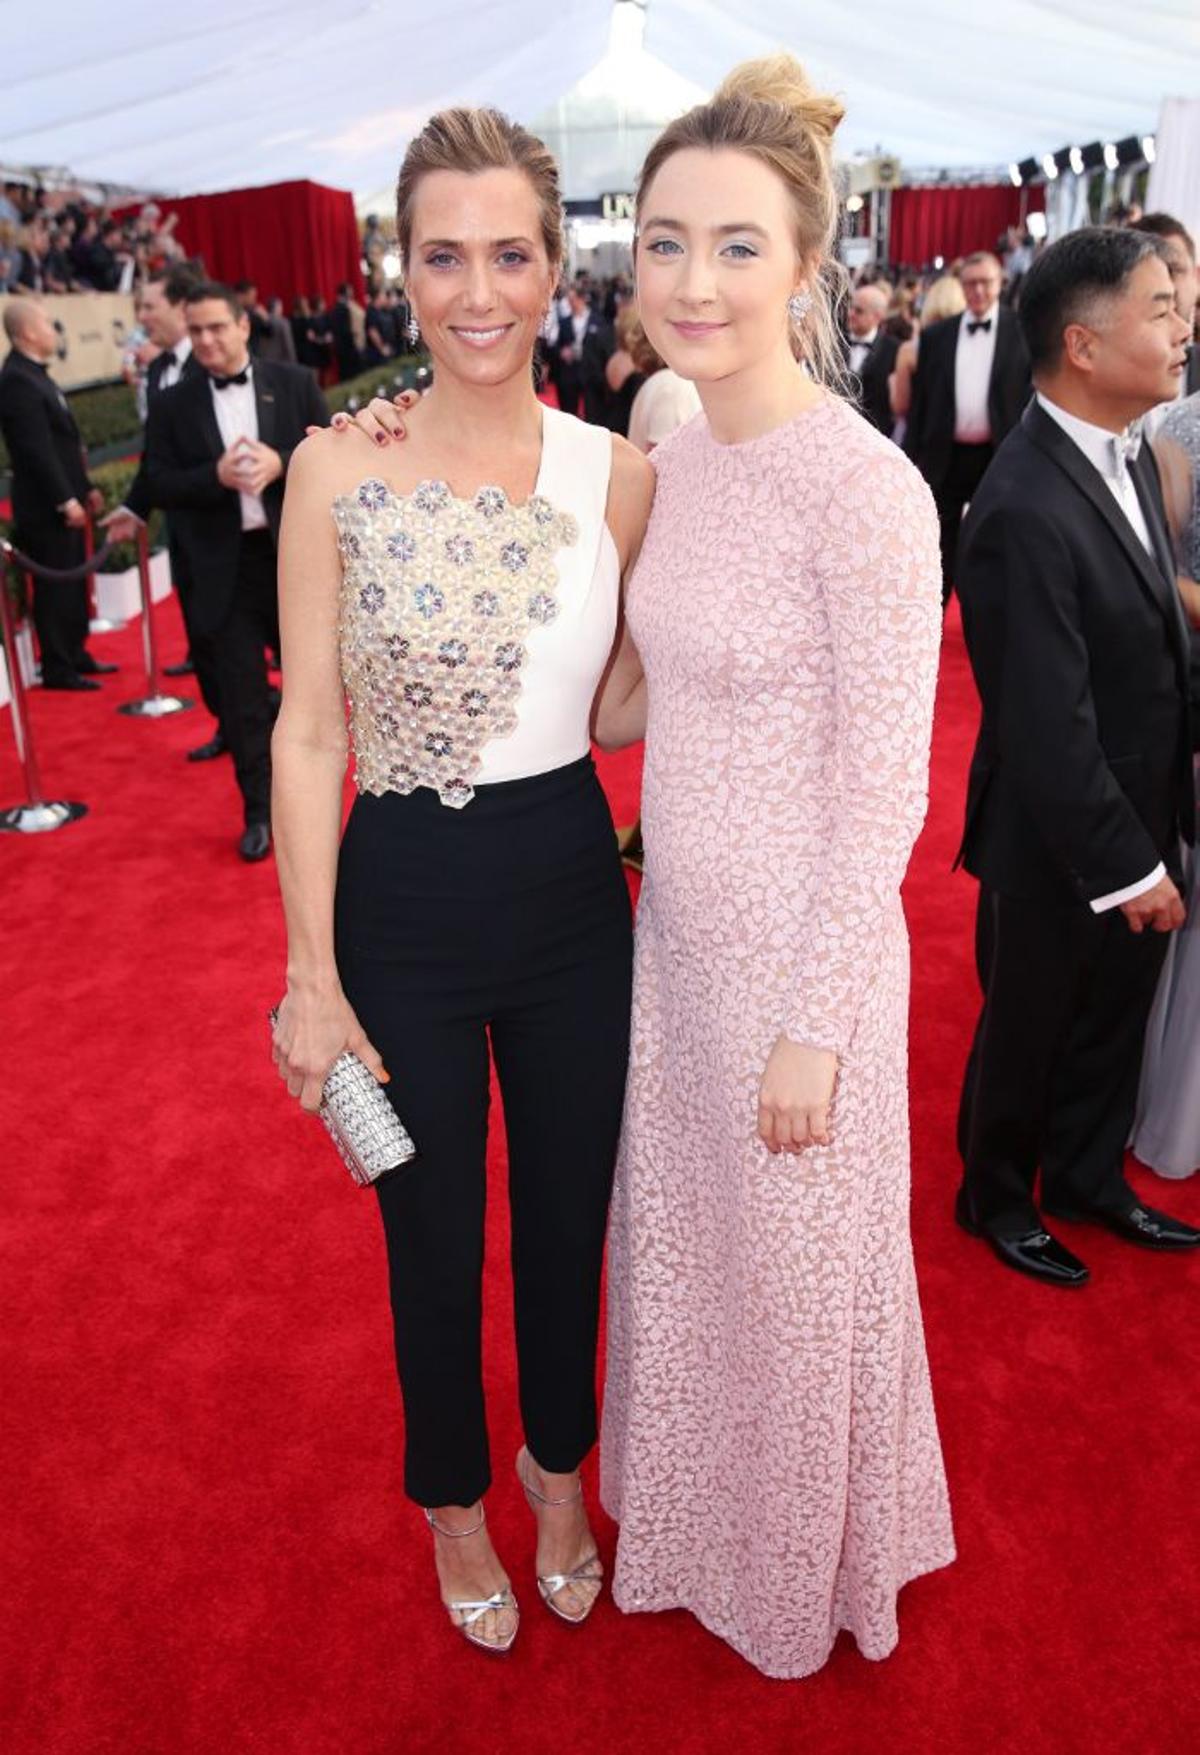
758	595
60	243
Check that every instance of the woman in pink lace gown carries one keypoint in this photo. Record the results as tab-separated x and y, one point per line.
769	1442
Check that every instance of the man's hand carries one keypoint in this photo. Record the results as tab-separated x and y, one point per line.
1161	909
121	525
74	514
259	467
229	465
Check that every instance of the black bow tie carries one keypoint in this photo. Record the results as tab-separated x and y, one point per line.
242	377
984	323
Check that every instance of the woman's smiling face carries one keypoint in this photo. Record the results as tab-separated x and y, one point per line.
716	262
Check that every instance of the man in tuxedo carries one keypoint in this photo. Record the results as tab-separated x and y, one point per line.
1081	783
969	388
51	493
217	451
871	354
348	326
163	312
582	349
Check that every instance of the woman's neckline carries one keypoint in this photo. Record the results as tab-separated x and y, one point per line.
795	420
404	495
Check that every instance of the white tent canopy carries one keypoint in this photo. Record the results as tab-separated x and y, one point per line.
254	91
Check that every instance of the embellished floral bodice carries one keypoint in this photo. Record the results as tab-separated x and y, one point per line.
474	625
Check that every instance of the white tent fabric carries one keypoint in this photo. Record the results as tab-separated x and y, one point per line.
251	91
1175	174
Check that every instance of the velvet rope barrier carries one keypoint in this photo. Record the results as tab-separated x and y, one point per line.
38	814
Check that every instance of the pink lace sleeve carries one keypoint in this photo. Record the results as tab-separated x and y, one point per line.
878	567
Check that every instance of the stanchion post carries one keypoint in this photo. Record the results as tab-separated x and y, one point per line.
154	705
97	623
37	814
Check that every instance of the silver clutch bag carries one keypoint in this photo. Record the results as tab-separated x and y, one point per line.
366	1130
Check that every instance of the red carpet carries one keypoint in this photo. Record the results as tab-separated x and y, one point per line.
206	1549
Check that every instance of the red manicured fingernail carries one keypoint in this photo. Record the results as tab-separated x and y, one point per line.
381	438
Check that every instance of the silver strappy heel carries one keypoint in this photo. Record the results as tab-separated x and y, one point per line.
465	1613
589	1571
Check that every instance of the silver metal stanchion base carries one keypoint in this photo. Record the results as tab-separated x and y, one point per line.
39	819
104	624
157	706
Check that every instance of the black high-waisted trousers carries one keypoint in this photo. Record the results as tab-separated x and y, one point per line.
507	919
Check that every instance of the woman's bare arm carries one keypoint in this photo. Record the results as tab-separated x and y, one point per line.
619	710
308	752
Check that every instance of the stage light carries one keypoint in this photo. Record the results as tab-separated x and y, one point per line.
1093	155
390	265
1130	150
939	262
1111	161
854	204
1035	225
1029	169
1049	167
1014	175
1077	161
1148	148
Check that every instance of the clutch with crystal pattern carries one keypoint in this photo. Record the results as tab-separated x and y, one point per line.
369	1135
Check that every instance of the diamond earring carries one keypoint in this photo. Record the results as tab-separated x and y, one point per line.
412	330
799	305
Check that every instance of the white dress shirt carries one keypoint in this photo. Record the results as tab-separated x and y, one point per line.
973	358
1102	451
237	418
860	347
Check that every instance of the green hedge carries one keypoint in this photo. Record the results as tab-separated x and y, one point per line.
108	415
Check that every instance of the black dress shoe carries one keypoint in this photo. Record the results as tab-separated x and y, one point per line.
76	684
255	843
1143	1225
1034	1252
89	666
208	752
187	668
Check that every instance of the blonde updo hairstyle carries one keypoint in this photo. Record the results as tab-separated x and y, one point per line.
480	140
767	108
945	298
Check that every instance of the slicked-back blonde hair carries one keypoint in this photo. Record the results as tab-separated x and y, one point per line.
767	108
480	140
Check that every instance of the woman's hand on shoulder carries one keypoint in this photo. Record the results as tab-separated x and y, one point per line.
795	1097
380	421
313	1028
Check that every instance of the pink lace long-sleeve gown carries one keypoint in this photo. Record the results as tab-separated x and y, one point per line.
769	1442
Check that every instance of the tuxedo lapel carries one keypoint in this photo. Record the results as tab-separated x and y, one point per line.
1050	438
264	402
201	400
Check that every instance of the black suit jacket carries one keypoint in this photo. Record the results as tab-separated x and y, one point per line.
871	381
1081	781
48	466
586	371
183	447
929	436
139	499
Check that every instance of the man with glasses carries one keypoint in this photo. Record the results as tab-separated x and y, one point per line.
969	389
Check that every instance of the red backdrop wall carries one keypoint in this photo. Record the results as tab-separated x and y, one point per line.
289	238
950	221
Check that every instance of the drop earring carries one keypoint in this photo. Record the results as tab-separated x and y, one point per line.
799	305
412	328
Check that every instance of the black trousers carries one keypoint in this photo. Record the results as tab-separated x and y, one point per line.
506	921
199	653
967	464
234	656
60	610
1052	1076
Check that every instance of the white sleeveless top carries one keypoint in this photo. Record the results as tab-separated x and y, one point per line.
473	632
